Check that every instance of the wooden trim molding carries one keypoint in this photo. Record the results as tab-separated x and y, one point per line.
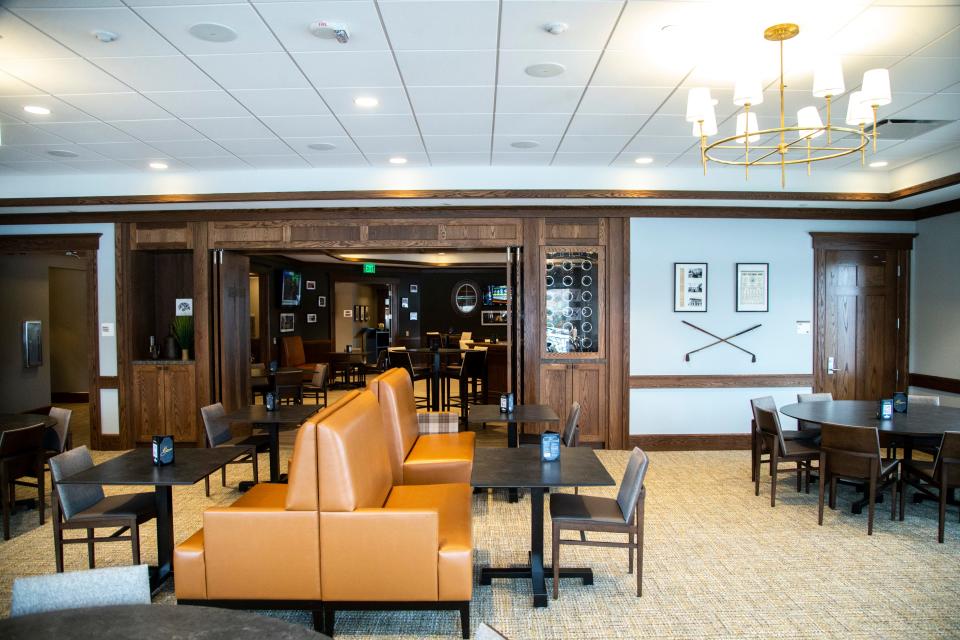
48	243
691	441
862	241
924	187
938	209
109	382
722	381
939	383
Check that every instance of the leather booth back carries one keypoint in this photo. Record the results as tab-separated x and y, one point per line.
394	391
293	353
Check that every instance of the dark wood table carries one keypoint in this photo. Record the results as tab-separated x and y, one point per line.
522	467
9	421
521	414
435	371
136	468
284	416
153	622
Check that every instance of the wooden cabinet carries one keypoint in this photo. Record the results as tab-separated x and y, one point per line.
563	384
165	401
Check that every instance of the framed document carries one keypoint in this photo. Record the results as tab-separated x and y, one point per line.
690	286
752	286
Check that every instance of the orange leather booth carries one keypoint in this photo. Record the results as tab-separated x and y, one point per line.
415	457
293	355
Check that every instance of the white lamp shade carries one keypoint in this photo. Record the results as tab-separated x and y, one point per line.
747	123
699	104
811	126
747	90
858	112
828	78
875	90
708	127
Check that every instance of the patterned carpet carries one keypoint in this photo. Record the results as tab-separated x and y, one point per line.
719	563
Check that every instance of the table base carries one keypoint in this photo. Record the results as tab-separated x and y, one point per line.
540	598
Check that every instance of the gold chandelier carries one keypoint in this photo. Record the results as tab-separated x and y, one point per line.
790	145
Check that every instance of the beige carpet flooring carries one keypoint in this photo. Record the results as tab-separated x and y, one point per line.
719	563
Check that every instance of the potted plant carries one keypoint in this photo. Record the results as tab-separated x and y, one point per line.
182	329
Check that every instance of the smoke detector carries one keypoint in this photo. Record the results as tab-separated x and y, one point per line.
330	31
104	36
556	28
545	70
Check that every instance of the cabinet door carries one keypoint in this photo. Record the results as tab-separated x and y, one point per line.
180	402
572	291
589	387
555	391
148	401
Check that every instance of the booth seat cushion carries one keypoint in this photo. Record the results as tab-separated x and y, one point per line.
263	495
435	459
453	505
189	567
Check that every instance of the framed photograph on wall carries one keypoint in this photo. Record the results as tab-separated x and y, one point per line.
32	345
286	322
414	288
322	301
753	291
690	286
311	318
493	318
311	285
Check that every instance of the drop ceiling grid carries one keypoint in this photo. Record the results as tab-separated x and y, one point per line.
573	138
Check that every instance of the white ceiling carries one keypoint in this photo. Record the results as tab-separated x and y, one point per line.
448	74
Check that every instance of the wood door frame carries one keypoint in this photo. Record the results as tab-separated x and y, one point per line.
86	246
902	243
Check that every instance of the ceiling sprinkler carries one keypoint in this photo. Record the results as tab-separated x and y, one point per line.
330	31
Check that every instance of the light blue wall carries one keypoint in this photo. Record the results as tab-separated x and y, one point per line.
935	314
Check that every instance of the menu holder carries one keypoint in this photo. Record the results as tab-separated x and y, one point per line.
162	450
886	409
549	446
900	402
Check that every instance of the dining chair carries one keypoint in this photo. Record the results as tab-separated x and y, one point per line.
826	396
801	452
400	358
80	589
57	439
318	383
935	479
623	514
288	387
853	454
758	445
21	455
471	376
219	435
926	444
84	506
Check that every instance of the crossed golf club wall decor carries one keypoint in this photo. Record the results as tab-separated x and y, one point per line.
753	357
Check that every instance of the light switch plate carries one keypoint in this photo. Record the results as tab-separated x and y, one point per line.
107	330
803	327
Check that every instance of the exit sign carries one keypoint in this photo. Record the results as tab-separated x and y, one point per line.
369	267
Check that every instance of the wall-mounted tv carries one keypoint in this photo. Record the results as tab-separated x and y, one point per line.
290	283
496	294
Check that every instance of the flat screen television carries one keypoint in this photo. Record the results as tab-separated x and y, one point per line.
290	284
495	294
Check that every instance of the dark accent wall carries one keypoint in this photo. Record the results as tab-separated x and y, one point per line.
436	291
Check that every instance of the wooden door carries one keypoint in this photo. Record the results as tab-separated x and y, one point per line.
554	391
588	386
148	401
180	402
231	329
860	350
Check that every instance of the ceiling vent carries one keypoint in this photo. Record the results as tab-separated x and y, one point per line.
904	129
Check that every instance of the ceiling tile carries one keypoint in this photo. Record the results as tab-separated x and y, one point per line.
630	100
444	159
282	102
143	164
925	74
895	30
303	126
74	28
584	159
289	161
269	147
53	4
536	124
165	3
379	125
521	159
391	101
181	148
625	69
456	123
950	132
17	134
588	124
99	166
10	86
229	128
389	144
349	69
546	144
383	160
444	68
628	159
450	99
174	23
593	144
440	24
199	104
339	160
85	131
20	40
944	47
149	130
253	71
63	75
162	73
40	168
578	67
589	24
59	111
83	152
537	99
124	150
652	145
290	20
667	126
942	106
457	144
342	145
116	106
215	163
17	154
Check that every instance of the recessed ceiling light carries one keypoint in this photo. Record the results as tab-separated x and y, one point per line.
524	144
366	102
879	164
322	146
643	160
105	36
545	70
556	28
39	111
213	32
62	153
158	165
398	160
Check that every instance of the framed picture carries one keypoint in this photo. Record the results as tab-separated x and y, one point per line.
495	317
32	345
405	303
752	286
414	316
322	301
311	318
690	286
311	285
414	288
287	322
184	306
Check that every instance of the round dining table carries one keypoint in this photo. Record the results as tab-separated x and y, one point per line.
10	421
918	420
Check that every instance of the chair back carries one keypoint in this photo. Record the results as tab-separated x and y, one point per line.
812	397
433	340
465	337
74	498
949	455
382	360
320	375
214	421
632	483
401	359
288	383
768	423
398	414
766	402
354	466
850	449
933	401
293	353
81	589
571	430
15	442
62	428
474	364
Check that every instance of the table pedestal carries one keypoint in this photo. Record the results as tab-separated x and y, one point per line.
163	499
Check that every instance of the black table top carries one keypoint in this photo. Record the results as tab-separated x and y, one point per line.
10	421
919	420
153	621
290	414
136	467
521	413
441	350
522	467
